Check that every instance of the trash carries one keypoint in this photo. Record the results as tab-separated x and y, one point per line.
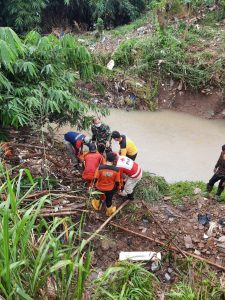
205	236
197	252
111	64
169	270
212	226
221	222
197	191
204	219
167	277
140	255
188	242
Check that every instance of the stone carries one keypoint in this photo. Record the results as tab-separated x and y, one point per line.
169	270
105	245
221	239
166	198
201	245
188	242
197	252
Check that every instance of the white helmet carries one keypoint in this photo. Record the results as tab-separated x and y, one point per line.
87	139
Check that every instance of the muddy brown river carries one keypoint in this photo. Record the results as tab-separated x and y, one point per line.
175	145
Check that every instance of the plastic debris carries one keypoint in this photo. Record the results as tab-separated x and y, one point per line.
140	255
111	64
212	226
204	219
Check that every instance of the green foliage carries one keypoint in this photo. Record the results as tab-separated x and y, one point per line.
166	56
125	281
37	79
151	187
32	252
100	25
182	189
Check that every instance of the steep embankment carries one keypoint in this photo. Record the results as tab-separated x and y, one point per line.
181	68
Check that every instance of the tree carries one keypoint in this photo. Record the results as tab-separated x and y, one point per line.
37	79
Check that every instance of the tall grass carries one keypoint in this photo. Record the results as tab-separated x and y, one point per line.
35	262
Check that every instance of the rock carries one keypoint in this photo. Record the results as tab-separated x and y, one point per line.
200	227
221	239
197	252
169	270
197	191
201	245
166	198
188	242
105	245
208	252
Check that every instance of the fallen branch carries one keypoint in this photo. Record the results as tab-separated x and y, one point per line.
63	213
100	228
164	245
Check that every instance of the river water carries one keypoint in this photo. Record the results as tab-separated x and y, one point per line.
175	145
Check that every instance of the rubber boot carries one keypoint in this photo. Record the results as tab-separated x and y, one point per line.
110	210
97	204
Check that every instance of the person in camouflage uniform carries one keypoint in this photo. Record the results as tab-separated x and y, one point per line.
101	134
219	175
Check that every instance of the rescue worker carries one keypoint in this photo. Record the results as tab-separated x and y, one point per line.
132	173
74	143
107	180
219	175
92	160
101	134
127	146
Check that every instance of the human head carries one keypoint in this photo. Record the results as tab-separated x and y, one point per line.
87	139
101	148
116	135
111	157
92	148
97	121
223	148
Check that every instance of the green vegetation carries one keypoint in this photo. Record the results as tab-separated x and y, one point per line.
125	281
151	187
26	15
35	260
169	55
37	79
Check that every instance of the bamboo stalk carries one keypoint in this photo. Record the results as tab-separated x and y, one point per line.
101	227
164	245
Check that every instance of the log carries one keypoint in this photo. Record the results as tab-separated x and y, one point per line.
164	245
100	228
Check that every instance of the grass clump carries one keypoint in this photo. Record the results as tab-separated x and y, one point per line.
151	187
182	189
125	281
36	260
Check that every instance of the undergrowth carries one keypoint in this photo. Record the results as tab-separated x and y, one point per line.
151	187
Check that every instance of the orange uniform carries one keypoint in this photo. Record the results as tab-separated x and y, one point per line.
107	178
91	163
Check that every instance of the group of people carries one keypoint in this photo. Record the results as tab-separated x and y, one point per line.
103	169
108	171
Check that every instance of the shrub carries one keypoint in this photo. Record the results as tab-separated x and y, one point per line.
37	79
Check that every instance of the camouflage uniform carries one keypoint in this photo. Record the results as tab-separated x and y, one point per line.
101	134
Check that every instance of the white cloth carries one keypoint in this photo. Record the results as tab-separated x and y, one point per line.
130	185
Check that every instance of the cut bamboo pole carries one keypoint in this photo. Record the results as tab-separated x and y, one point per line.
100	228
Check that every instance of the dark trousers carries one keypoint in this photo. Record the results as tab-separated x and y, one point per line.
213	180
108	197
133	157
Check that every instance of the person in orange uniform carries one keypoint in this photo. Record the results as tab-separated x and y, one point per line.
127	146
92	160
107	180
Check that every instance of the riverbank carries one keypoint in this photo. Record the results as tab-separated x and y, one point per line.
135	228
